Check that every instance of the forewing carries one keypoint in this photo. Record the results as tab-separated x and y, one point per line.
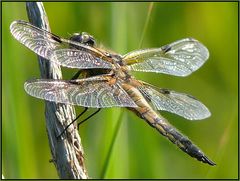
39	41
95	93
74	58
57	49
180	58
181	104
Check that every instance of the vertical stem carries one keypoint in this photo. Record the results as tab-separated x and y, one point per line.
67	152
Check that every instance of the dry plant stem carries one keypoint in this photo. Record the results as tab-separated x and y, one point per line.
67	151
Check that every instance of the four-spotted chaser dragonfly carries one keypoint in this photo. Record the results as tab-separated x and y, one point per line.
107	81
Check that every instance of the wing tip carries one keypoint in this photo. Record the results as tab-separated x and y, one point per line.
15	22
201	115
12	26
204	48
190	39
206	52
27	88
28	83
205	113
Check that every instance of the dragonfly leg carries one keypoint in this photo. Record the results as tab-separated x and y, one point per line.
85	109
89	117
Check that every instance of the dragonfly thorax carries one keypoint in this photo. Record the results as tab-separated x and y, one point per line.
120	70
117	60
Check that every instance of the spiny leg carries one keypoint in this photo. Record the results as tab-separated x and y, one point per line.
85	109
76	75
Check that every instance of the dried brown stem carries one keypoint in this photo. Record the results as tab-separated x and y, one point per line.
67	151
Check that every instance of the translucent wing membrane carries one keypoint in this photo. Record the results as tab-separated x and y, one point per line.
180	58
53	47
95	93
36	39
79	59
181	104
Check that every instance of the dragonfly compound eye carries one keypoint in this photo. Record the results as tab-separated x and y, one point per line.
87	39
83	38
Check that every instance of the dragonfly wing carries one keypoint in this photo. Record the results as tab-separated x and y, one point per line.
53	47
181	104
90	92
74	58
39	41
180	58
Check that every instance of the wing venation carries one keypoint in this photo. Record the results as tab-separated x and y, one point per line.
71	58
57	49
87	93
178	103
180	58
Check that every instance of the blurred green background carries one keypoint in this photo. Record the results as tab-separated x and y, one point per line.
139	151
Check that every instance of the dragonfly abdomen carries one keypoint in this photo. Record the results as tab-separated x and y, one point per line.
180	140
146	112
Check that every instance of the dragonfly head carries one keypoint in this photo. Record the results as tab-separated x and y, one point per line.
84	38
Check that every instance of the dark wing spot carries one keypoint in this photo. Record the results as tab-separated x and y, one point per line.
166	48
191	96
56	38
164	91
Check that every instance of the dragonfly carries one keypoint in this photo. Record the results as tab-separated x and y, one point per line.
107	80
